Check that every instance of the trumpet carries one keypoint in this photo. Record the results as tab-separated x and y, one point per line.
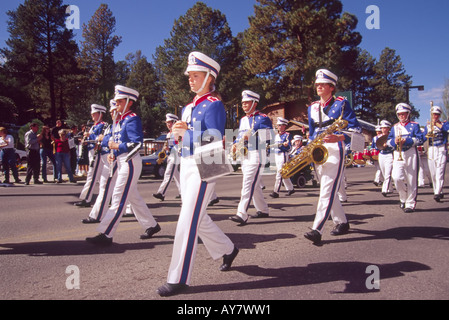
399	143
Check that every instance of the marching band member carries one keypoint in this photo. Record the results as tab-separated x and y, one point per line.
378	175
281	157
322	114
424	171
94	173
107	181
404	138
250	127
297	146
206	116
437	152
386	160
126	142
172	169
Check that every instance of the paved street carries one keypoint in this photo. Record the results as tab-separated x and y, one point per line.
42	235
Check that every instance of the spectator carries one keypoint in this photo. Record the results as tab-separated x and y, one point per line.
32	141
46	152
63	156
73	139
8	155
83	160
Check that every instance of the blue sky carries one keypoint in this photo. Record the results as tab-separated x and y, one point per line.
417	30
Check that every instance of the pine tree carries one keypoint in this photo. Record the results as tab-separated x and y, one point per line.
200	29
288	40
40	50
389	85
97	54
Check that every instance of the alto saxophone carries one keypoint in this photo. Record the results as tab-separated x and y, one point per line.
314	152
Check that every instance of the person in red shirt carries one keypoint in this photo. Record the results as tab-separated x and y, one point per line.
62	156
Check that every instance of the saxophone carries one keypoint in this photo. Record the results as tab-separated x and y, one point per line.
314	152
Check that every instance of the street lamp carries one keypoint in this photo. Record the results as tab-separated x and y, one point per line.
407	91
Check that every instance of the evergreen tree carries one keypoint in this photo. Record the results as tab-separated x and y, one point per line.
288	40
200	29
389	85
97	54
143	78
40	50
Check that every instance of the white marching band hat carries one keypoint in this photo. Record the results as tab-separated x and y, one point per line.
385	124
282	121
200	62
436	109
248	95
112	105
122	92
97	108
171	117
297	138
403	107
378	128
325	76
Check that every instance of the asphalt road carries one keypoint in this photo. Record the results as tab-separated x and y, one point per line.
43	254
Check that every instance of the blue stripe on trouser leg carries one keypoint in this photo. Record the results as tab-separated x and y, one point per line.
193	233
123	199
256	177
94	179
106	191
335	187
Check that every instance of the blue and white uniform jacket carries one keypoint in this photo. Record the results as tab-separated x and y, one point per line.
330	112
387	150
94	133
410	131
259	124
440	135
280	139
206	119
128	133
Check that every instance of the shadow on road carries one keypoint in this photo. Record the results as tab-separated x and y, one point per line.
353	273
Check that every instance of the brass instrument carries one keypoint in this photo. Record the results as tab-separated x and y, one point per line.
241	150
430	135
399	145
380	143
162	155
349	159
313	152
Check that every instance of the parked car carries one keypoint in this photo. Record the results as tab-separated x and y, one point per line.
151	150
151	167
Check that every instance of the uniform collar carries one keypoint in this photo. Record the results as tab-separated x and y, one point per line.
326	103
255	113
127	113
197	100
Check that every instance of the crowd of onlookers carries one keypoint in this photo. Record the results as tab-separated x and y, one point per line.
60	148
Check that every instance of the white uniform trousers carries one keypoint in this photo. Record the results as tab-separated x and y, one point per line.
251	186
93	176
125	190
405	176
171	173
378	175
342	195
437	157
329	175
424	171
280	159
386	166
194	222
107	184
